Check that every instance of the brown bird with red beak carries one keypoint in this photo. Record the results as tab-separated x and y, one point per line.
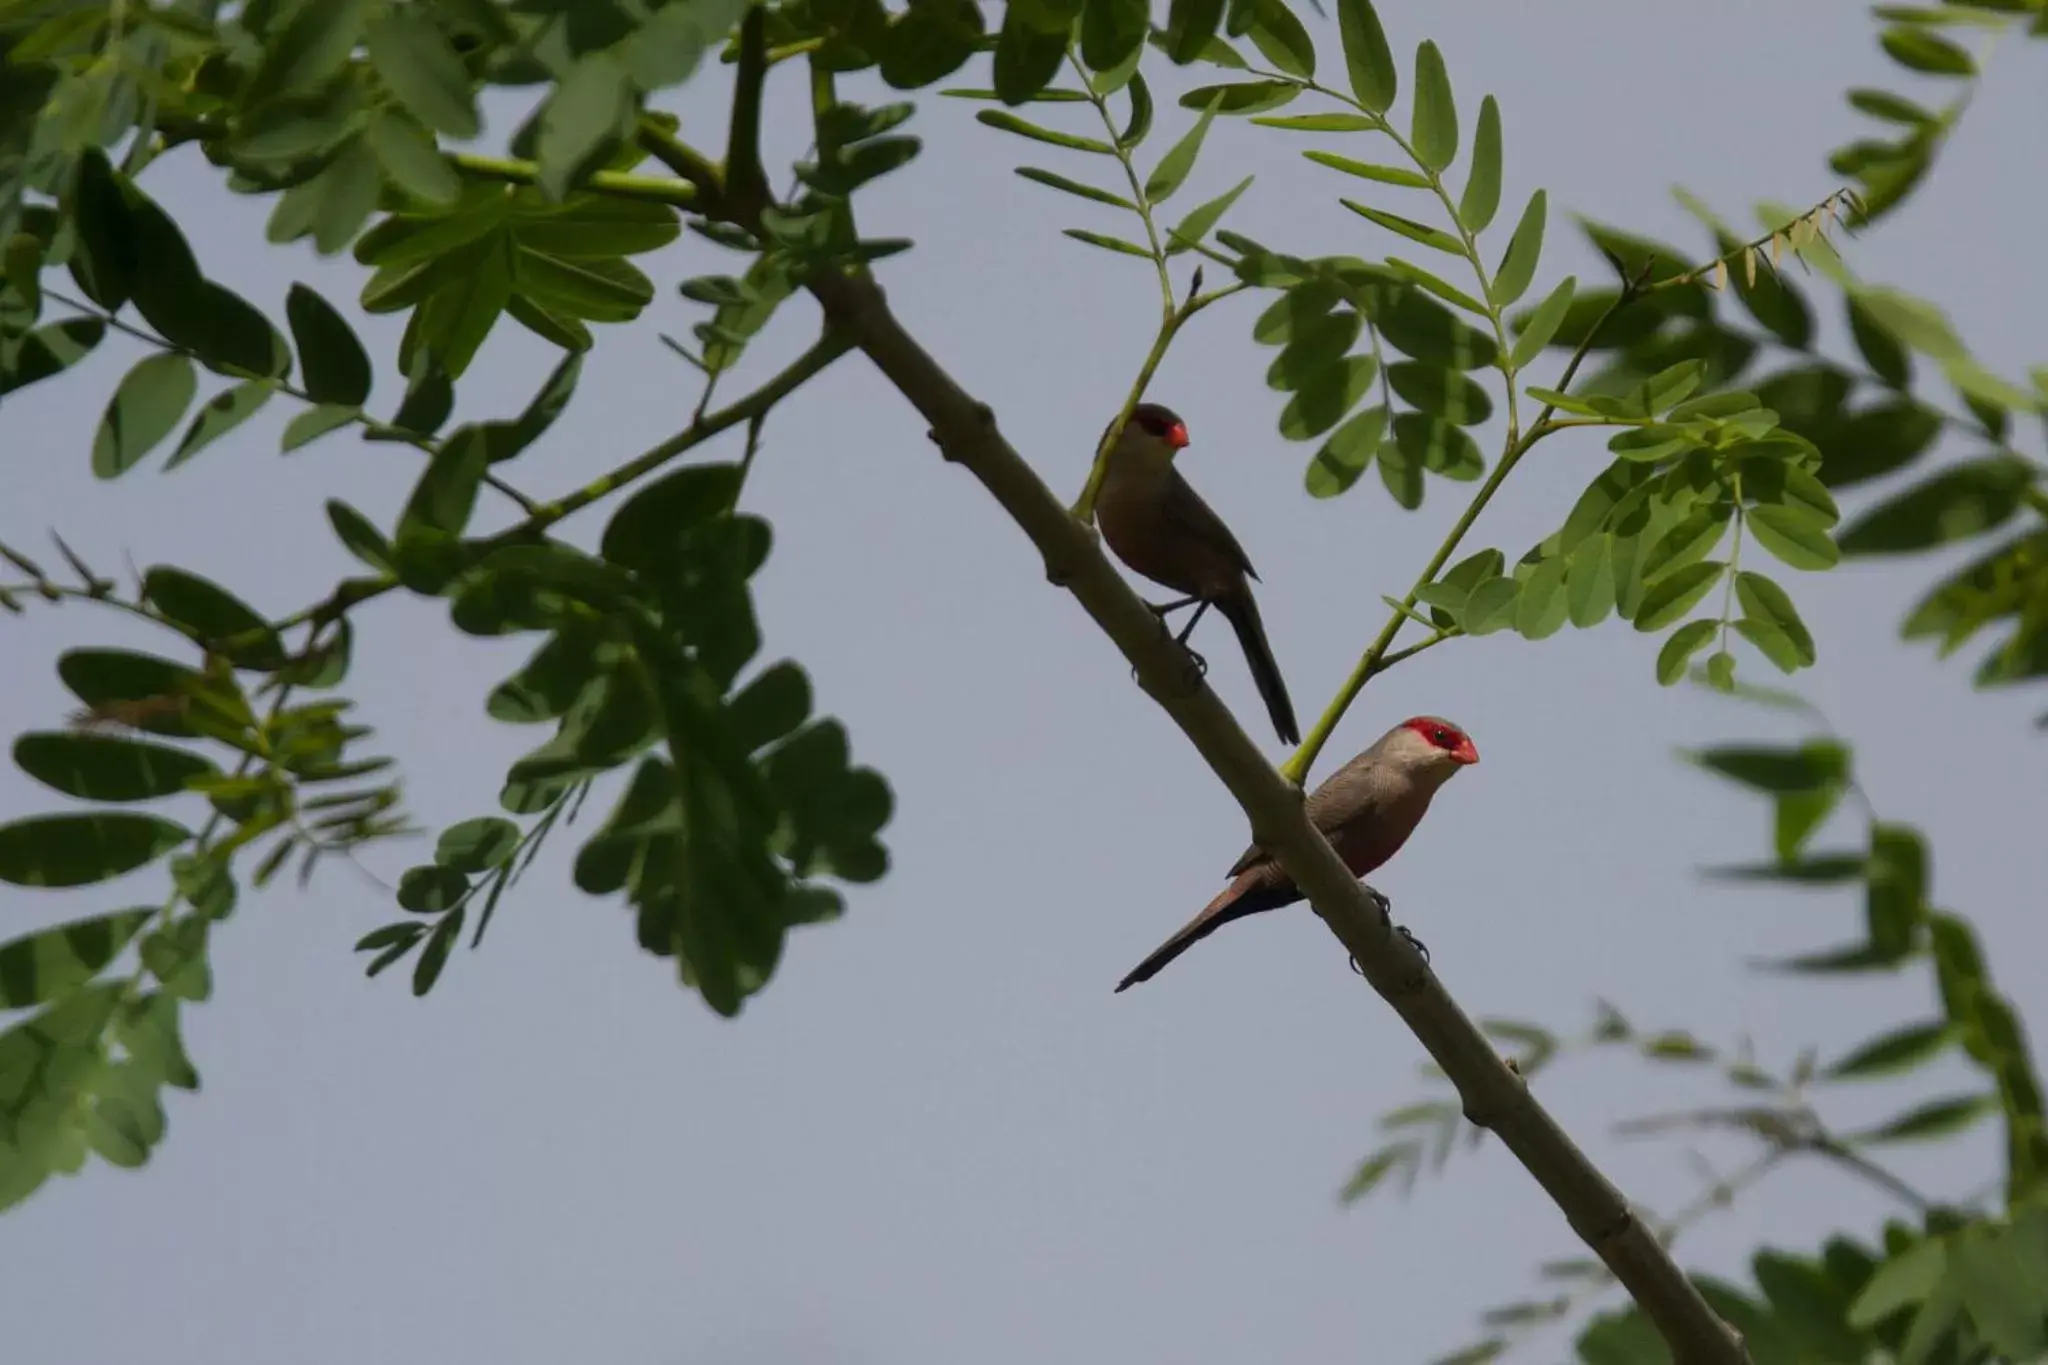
1158	525
1366	809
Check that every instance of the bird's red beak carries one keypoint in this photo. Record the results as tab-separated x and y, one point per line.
1466	752
1178	437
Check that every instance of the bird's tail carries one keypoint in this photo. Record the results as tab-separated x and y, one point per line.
1260	888
1243	615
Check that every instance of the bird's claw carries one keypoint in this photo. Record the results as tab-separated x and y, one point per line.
1413	942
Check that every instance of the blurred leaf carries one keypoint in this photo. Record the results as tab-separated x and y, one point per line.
53	962
1807	767
1107	243
1190	26
1917	49
477	845
78	850
419	66
1938	1118
1961	502
222	413
1897	902
1060	182
1792	535
1892	1053
104	767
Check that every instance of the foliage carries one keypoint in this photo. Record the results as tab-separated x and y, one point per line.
738	811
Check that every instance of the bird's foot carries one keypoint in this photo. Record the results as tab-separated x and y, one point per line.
1381	904
1413	942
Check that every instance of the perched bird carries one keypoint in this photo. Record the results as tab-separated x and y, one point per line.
1366	809
1159	526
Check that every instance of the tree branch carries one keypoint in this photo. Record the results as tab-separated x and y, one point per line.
1493	1096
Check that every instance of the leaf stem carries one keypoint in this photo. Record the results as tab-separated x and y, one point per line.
828	348
1375	659
371	425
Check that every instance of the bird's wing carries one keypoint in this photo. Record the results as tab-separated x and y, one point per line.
1183	507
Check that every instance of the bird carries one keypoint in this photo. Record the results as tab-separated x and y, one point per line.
1158	525
1366	809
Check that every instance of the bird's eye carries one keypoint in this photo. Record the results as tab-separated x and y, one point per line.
1443	739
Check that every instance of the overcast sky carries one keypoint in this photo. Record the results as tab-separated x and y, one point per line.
937	1137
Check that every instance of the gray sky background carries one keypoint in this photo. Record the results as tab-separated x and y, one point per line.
937	1137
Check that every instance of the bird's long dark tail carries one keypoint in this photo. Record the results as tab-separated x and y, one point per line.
1254	890
1243	615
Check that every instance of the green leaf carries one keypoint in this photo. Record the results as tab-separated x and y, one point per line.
1421	328
1679	647
1190	26
1793	535
1112	31
1010	123
411	160
2001	1286
1434	238
1935	1119
1881	350
1542	608
1060	182
432	888
1385	175
1809	1306
1491	606
146	407
1201	220
420	66
1029	49
1895	905
1764	601
313	423
434	956
359	536
309	50
591	109
1959	503
1891	1053
1687	542
1241	97
1280	37
1542	324
104	767
1441	392
1917	49
1481	199
53	962
1320	123
78	850
1675	594
1346	454
1107	243
1589	581
1525	247
335	366
1808	767
224	412
1436	110
1172	170
1901	1282
1321	404
477	845
213	616
1367	58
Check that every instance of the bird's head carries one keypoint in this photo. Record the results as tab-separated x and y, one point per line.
1433	746
1154	433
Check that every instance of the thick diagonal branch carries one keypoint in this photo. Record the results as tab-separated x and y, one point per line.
1493	1095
